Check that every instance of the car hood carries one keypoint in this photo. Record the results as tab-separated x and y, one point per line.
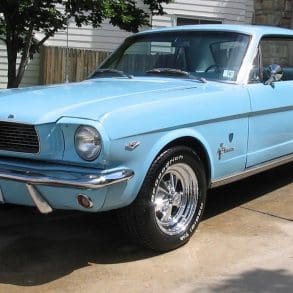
91	99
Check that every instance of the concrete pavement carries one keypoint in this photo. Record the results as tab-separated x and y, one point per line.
244	244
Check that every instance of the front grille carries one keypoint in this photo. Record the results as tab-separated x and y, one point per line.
16	137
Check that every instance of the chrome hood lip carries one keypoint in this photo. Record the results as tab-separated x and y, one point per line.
90	99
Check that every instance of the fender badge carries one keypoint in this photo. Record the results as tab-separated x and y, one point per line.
132	145
223	150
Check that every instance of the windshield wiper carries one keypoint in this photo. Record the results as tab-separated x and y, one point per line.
102	72
174	72
170	71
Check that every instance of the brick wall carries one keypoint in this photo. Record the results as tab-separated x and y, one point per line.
274	12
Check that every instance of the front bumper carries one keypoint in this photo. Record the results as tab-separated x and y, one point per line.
91	179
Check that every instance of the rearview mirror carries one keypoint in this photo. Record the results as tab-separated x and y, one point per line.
275	73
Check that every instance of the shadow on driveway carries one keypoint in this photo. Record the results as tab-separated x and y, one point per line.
257	281
36	249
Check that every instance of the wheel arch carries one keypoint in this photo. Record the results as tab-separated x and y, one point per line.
189	138
196	146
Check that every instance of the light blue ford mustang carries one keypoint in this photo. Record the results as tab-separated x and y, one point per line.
170	114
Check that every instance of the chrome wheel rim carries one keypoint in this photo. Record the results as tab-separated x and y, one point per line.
175	198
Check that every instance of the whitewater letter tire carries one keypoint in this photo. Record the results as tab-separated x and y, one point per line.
170	203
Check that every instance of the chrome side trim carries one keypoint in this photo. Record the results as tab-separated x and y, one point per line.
89	180
251	171
39	201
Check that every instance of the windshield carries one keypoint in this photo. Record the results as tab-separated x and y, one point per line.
204	54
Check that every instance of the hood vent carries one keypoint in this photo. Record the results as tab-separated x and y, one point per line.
16	137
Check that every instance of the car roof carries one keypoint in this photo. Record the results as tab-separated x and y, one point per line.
255	30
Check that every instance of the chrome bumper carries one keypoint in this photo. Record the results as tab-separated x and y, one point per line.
89	180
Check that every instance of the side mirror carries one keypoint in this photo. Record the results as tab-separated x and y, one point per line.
275	73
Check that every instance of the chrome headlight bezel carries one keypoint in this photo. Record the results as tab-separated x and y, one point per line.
92	138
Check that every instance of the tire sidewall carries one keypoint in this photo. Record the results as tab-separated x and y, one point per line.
168	158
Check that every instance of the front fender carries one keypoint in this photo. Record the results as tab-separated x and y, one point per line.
140	159
169	137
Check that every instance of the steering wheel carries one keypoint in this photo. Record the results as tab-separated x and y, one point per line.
213	66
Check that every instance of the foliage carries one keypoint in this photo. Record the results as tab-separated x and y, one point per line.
20	20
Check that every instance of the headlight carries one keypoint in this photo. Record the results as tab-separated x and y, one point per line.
88	143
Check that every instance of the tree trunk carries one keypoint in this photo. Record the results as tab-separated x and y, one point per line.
12	58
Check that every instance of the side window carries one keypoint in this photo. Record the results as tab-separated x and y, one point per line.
277	51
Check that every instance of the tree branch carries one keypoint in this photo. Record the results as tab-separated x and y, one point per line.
25	55
47	36
41	42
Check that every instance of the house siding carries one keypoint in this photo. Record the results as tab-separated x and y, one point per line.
108	38
31	75
104	38
227	11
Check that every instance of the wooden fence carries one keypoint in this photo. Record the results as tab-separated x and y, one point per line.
80	63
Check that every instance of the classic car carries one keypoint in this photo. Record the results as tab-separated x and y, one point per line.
171	113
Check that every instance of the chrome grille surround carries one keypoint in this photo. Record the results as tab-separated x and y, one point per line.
17	137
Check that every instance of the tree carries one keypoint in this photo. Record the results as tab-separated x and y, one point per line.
20	20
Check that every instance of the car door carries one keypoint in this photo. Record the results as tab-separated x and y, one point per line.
271	119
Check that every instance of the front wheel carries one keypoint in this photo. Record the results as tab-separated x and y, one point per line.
171	201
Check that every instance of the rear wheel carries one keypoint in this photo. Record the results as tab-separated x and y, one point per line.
171	201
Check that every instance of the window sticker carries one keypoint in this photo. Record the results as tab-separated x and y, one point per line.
229	74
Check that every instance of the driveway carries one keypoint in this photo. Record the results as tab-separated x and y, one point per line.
244	244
